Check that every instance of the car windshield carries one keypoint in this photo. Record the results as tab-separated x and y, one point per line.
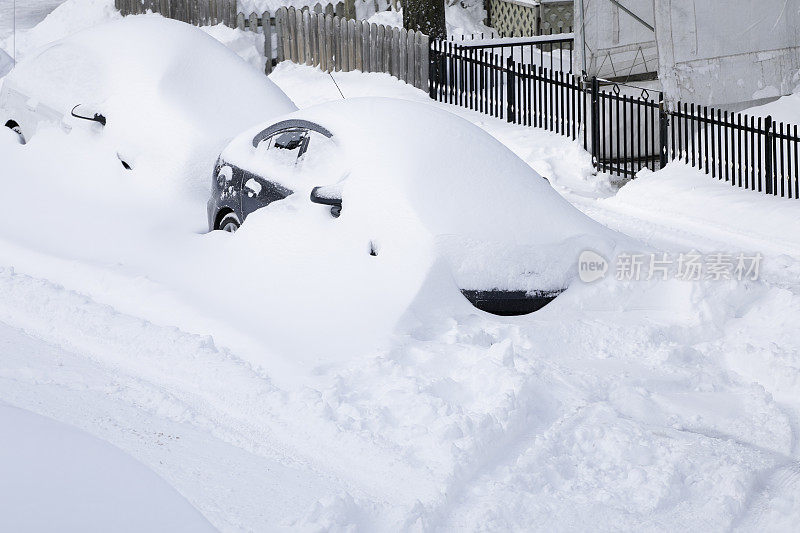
300	155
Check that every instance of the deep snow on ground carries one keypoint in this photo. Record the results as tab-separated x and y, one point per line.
785	109
657	405
55	476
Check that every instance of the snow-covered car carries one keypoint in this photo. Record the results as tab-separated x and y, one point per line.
155	93
410	176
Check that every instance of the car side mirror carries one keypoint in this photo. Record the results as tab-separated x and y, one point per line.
88	113
329	195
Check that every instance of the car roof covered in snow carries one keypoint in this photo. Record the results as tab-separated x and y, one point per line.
172	97
416	174
456	178
143	60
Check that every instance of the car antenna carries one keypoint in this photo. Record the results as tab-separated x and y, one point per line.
337	86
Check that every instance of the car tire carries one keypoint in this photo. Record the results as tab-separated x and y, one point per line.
229	223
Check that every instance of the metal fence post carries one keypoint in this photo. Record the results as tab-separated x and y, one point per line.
433	68
662	132
595	122
510	94
769	141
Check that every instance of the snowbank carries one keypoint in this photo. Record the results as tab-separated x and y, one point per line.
292	268
247	44
621	405
172	97
785	109
688	198
53	475
499	222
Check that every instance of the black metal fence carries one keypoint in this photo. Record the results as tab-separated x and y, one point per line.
623	128
755	153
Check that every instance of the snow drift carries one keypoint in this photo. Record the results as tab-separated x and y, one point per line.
171	96
445	204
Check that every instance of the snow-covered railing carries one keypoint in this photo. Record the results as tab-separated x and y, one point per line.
338	44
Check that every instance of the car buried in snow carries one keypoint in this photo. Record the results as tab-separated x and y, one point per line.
414	177
154	93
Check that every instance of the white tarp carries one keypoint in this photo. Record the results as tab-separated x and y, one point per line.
728	53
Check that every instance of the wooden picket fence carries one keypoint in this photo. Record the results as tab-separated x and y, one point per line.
325	36
210	12
197	12
339	44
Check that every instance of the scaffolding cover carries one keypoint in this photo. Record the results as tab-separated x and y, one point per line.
617	45
730	53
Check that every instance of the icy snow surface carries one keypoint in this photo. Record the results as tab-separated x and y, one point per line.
662	406
55	477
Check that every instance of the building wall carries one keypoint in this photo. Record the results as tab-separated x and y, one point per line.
733	53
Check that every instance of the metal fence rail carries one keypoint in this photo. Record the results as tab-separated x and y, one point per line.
755	153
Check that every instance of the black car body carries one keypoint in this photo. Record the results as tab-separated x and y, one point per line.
236	192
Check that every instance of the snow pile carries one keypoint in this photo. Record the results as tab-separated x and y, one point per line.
785	109
460	184
52	474
172	96
621	405
612	407
68	18
431	202
248	45
564	163
690	198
